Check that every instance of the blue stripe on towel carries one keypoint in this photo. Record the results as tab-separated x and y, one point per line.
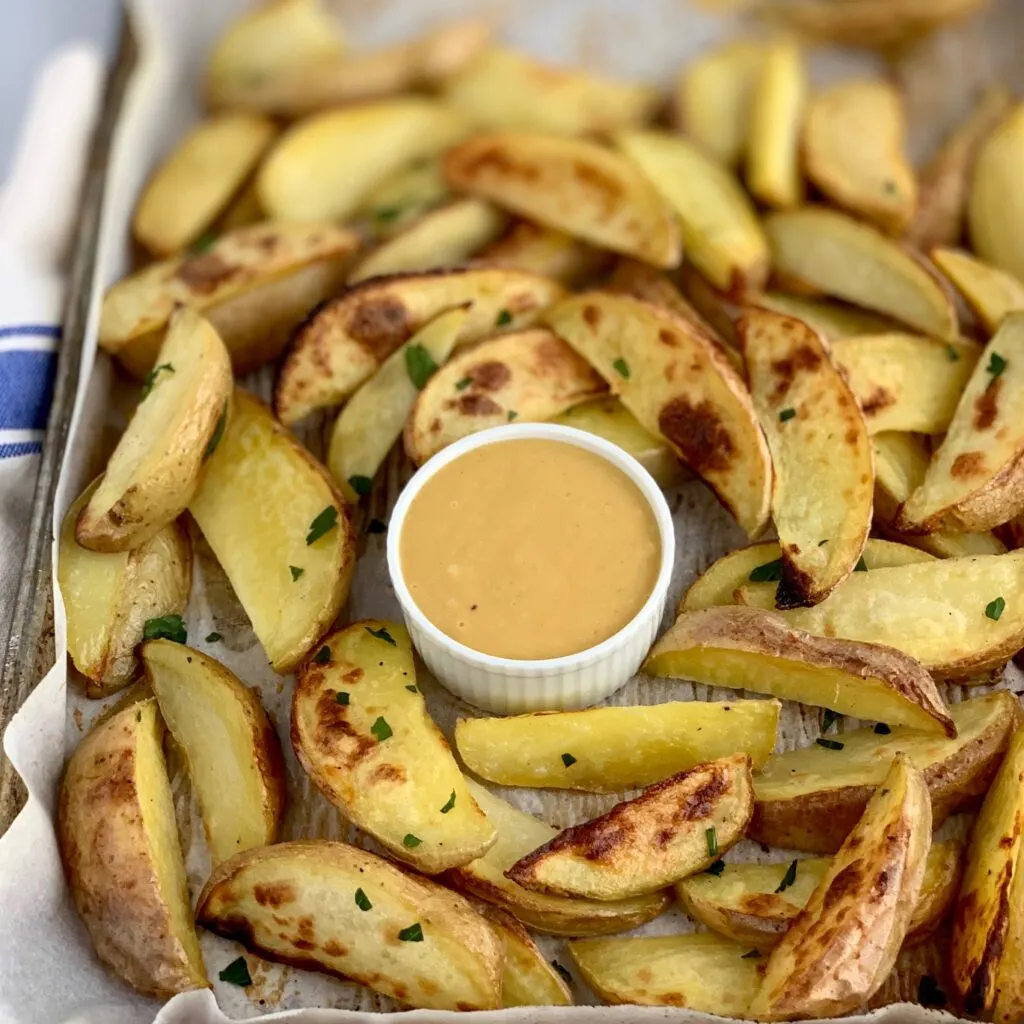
30	331
26	387
11	451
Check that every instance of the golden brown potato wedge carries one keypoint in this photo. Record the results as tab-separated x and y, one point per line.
854	144
945	181
755	904
810	799
119	845
527	978
986	979
1008	1003
109	597
155	469
721	233
995	209
776	115
835	320
361	730
198	180
226	736
527	375
372	420
833	253
572	185
614	748
253	285
322	167
341	344
713	98
748	648
518	834
675	380
541	250
403	197
674	828
976	478
444	237
989	291
504	89
279	528
372	923
844	942
823	472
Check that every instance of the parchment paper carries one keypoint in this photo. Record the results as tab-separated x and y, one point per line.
48	972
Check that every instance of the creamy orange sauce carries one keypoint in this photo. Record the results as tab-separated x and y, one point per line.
530	549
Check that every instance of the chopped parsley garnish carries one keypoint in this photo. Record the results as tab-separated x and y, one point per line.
568	760
994	609
376	526
450	804
150	379
237	973
362	485
929	993
412	689
882	729
512	414
563	973
323	656
324	522
716	869
788	878
829	744
829	718
861	565
386	213
951	354
420	365
382	634
711	838
414	933
166	627
411	842
786	414
770	572
382	731
341	697
996	365
205	242
296	571
218	432
363	901
754	954
461	385
621	368
212	638
504	319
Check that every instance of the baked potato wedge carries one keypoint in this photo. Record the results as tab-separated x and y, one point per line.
526	375
1008	1003
198	180
844	942
571	185
344	341
280	530
155	469
335	908
614	748
518	834
542	250
810	799
773	171
827	251
854	145
721	233
823	471
835	320
231	749
527	978
976	478
674	379
673	829
253	285
361	731
403	197
748	648
504	89
118	836
990	292
109	597
755	904
372	420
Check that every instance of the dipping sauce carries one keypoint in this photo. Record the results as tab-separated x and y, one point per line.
530	549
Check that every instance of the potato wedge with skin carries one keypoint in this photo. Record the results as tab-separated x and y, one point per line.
773	170
721	234
835	320
191	187
841	257
341	344
703	972
844	942
614	748
976	478
518	834
366	739
527	979
415	941
322	167
746	903
989	291
155	469
528	376
823	471
674	828
253	285
232	751
571	185
265	505
372	420
109	597
676	382
1008	1002
505	89
403	197
810	798
854	144
984	908
541	250
748	648
118	835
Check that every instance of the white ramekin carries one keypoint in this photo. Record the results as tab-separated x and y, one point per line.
508	685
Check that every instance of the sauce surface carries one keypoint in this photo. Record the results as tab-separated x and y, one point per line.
530	549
